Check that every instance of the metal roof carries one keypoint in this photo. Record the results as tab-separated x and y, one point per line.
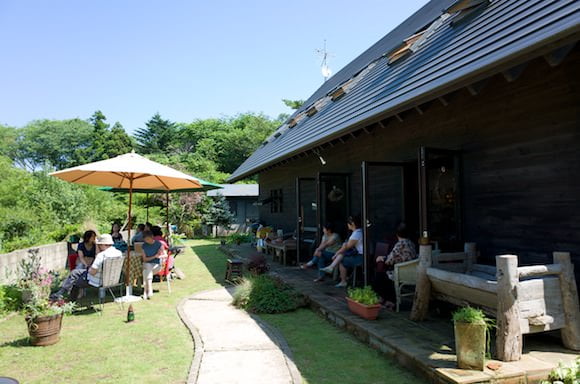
450	54
229	190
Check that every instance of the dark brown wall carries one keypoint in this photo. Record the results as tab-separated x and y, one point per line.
521	152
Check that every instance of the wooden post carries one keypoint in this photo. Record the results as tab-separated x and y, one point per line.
471	250
571	331
423	287
509	336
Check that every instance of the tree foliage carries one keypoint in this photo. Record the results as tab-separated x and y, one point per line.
294	104
158	136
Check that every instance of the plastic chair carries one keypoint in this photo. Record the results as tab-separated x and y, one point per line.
166	268
110	277
405	274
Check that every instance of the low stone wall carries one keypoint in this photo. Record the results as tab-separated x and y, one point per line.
53	257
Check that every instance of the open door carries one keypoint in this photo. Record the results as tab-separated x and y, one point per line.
307	216
389	197
440	197
334	201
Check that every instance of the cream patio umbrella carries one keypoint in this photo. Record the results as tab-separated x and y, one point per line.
129	171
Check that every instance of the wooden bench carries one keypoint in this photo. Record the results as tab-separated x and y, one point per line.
280	250
524	300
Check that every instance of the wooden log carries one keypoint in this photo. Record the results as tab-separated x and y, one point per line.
486	269
423	287
571	330
539	270
470	250
509	337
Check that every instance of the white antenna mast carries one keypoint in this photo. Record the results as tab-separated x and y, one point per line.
324	68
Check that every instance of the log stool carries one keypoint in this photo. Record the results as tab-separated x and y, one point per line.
234	270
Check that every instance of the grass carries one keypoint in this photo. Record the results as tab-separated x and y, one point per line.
326	354
156	348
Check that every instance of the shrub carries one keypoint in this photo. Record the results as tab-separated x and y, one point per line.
365	296
10	298
266	294
239	238
469	315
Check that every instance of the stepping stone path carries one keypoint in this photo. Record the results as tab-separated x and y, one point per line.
231	346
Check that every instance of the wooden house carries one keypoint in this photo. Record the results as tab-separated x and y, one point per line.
464	121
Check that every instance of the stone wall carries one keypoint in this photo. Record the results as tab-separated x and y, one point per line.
53	257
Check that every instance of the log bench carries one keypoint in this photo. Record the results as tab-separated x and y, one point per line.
524	300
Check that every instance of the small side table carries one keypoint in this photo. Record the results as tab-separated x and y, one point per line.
234	270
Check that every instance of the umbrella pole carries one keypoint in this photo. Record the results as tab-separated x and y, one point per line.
128	284
147	220
167	215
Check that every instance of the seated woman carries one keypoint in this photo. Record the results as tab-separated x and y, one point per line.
153	251
158	235
403	250
350	254
86	250
116	232
329	245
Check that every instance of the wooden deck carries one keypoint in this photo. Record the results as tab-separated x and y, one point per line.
426	348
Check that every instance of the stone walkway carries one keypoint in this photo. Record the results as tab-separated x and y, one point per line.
231	346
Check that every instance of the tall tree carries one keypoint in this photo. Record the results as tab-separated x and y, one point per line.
159	135
106	142
61	143
294	104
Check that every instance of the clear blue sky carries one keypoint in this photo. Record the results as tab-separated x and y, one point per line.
184	59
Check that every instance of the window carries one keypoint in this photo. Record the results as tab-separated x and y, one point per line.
234	207
276	206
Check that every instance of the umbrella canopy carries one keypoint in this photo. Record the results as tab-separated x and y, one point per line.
130	171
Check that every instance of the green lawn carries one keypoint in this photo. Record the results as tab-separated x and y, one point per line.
326	354
157	347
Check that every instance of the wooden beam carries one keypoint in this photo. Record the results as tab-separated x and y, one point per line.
558	55
399	117
513	73
366	131
509	343
353	135
423	287
443	101
381	124
475	88
341	140
419	110
539	270
571	330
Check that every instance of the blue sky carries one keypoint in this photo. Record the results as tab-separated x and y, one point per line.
183	59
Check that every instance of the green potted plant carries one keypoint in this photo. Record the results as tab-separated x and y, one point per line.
564	374
363	302
471	328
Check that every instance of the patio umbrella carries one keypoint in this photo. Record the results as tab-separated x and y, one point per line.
130	171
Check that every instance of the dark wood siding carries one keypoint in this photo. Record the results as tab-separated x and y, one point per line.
521	159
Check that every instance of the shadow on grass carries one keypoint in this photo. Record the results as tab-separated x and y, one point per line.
214	260
18	343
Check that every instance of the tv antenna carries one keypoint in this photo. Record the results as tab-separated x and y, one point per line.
325	55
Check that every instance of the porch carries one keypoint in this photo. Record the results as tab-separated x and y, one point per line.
426	348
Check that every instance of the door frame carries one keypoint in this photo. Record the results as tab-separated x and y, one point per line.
423	153
319	197
299	218
364	206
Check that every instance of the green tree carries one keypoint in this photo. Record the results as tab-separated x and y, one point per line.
158	136
60	143
107	142
294	104
8	136
217	212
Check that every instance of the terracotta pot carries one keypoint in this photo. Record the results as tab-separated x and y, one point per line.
44	330
470	345
368	312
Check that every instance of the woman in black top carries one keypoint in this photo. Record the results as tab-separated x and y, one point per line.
116	232
87	250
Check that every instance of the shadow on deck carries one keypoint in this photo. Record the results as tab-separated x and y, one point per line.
426	348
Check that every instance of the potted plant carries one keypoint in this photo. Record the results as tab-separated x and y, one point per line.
363	302
471	328
43	318
564	373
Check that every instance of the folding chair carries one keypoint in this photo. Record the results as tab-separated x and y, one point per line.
166	269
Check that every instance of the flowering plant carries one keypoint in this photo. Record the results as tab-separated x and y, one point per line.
35	284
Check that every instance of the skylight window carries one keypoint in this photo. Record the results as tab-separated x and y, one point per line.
464	10
405	48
